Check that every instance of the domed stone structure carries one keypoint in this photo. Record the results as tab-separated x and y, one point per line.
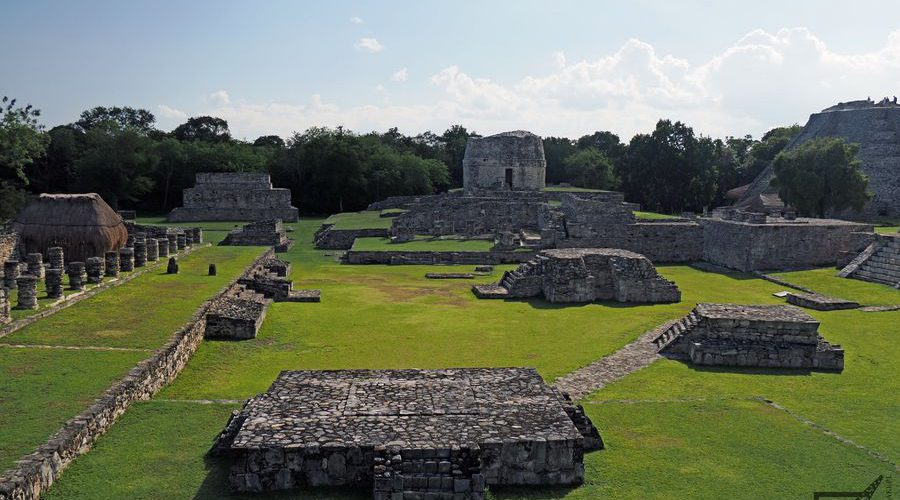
512	161
875	126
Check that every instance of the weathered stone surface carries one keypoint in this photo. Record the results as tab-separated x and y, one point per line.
260	233
765	336
820	302
586	275
126	259
172	265
4	306
212	270
397	257
35	263
229	196
27	296
9	246
111	260
879	262
507	161
94	269
394	429
53	283
11	271
55	258
77	275
152	249
450	276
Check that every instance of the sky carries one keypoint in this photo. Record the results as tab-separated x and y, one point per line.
556	68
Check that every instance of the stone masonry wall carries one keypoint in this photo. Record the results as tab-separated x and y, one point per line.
234	196
36	472
328	238
430	258
9	243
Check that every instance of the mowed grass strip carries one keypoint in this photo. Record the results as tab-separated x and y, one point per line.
422	244
145	312
710	450
158	450
826	281
861	403
42	388
367	219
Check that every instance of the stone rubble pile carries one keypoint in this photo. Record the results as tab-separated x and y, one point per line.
260	233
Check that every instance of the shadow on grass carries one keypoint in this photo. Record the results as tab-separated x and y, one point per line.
542	492
749	370
539	303
215	486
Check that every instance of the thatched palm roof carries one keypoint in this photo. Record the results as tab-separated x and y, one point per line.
83	224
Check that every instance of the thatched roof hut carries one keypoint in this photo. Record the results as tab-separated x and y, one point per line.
83	224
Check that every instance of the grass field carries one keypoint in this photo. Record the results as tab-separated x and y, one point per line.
887	229
359	220
650	215
672	431
54	368
423	244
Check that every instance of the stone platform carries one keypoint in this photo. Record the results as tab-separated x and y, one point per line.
584	275
450	276
819	302
260	233
408	433
228	196
766	336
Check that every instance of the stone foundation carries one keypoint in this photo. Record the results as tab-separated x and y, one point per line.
229	196
584	275
407	433
750	336
329	238
260	233
397	257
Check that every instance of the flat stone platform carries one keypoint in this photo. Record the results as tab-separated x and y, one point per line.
447	432
820	302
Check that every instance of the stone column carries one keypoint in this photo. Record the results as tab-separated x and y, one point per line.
36	265
10	273
163	248
129	243
126	259
173	243
55	258
140	251
4	305
181	240
94	269
53	282
76	275
152	249
27	284
172	267
112	263
198	235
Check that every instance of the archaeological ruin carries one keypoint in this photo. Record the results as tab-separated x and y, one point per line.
408	433
230	196
584	275
260	233
875	127
509	161
878	263
765	336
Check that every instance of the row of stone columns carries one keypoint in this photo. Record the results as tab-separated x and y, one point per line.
137	251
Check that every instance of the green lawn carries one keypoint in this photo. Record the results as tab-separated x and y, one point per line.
423	244
672	430
887	229
42	388
650	215
359	220
826	282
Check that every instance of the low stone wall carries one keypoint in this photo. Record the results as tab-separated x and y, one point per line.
430	258
328	238
36	472
658	241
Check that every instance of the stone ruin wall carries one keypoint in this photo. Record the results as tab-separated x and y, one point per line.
9	246
487	160
469	216
35	473
781	245
401	257
231	196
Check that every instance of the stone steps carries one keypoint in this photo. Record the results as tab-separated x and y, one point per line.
676	330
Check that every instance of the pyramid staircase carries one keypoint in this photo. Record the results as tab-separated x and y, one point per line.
878	263
520	282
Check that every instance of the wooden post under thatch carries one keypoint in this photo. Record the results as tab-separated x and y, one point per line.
83	224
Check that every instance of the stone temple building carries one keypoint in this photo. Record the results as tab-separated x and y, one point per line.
512	161
228	196
875	126
442	434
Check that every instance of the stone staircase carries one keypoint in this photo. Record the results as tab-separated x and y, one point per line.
879	263
676	330
524	281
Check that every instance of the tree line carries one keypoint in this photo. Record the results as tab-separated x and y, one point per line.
119	153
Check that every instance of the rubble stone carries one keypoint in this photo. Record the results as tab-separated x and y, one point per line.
77	275
111	269
126	259
27	296
94	269
53	283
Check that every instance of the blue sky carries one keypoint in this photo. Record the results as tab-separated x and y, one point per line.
557	68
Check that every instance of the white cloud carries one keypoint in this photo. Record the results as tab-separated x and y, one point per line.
170	112
400	75
762	80
356	20
369	45
220	97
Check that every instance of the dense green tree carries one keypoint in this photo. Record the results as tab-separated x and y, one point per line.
669	169
607	143
590	168
117	164
22	142
454	141
765	150
54	172
556	150
821	175
140	120
203	128
269	141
